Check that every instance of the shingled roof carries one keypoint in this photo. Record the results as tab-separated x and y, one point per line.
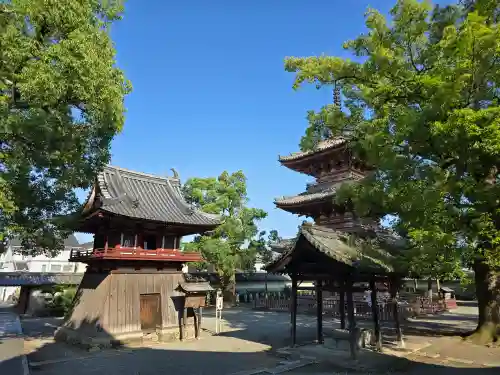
283	246
340	248
145	196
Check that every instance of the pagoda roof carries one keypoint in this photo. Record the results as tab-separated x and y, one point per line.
326	145
339	248
144	196
305	198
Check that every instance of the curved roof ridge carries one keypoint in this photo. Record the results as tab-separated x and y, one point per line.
132	173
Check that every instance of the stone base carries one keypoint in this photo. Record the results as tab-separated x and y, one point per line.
170	334
78	338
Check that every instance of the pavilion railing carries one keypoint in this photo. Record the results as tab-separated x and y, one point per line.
128	252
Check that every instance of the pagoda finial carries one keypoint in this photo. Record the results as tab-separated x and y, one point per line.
336	96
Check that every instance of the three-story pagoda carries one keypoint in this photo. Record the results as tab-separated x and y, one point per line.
338	249
134	284
332	164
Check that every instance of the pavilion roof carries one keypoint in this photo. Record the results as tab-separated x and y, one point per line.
367	255
145	196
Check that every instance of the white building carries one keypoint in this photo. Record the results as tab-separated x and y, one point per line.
12	261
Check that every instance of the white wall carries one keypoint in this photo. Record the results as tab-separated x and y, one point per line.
41	263
10	262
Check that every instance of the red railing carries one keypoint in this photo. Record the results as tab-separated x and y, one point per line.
135	253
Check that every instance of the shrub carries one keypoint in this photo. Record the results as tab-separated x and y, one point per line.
61	304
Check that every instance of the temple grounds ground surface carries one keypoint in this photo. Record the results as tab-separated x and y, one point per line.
254	342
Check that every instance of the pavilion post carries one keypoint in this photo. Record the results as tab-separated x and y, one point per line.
395	311
319	311
352	319
342	305
375	314
294	309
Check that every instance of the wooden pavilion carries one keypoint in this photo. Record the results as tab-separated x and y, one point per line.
134	285
339	250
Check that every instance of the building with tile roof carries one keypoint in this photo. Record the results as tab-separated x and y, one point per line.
132	285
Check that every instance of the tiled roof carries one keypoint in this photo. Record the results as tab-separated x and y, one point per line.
144	196
322	146
305	197
283	245
70	241
87	245
335	245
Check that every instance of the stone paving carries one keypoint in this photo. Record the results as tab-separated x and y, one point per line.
247	345
12	360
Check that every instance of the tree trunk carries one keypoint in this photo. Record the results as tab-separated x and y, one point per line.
487	282
429	289
229	288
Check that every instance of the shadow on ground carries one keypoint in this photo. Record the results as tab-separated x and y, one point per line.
249	341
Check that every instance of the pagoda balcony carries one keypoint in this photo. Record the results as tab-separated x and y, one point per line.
131	253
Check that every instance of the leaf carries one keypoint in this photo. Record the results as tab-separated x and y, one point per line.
61	104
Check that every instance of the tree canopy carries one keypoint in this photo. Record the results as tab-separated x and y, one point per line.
234	244
61	104
421	105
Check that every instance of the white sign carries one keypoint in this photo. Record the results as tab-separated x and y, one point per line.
219	302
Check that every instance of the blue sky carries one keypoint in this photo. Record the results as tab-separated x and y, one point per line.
210	92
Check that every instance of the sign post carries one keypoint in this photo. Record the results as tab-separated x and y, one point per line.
219	303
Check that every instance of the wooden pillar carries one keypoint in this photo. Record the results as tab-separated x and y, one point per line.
319	311
395	311
24	297
196	324
376	318
294	310
352	320
342	305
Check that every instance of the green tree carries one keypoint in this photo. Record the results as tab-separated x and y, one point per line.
428	85
261	245
226	248
61	104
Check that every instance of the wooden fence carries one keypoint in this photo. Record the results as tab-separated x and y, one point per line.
362	309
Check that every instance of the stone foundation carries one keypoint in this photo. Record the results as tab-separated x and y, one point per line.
85	341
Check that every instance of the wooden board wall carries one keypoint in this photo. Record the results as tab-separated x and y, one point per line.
112	301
